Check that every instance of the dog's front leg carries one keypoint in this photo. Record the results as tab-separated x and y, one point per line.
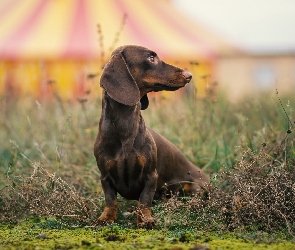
144	216
109	213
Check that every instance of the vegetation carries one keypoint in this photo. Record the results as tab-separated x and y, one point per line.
50	192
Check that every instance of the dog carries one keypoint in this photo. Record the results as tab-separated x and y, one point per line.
134	160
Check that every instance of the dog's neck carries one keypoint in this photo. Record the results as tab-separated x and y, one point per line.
124	121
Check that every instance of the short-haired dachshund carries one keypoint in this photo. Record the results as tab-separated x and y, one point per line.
134	160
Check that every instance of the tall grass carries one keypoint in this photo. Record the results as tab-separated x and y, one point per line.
211	134
43	141
214	134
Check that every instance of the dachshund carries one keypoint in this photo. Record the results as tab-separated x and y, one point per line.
134	160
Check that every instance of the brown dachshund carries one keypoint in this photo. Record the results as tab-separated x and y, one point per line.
134	160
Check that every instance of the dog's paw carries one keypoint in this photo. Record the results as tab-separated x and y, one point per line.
145	219
108	216
102	222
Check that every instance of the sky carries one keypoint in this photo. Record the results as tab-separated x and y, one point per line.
260	26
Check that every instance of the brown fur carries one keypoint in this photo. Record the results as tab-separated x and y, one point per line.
134	160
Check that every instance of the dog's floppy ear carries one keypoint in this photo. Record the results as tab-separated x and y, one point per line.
144	102
118	82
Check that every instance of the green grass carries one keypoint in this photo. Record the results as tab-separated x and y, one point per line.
211	134
46	156
49	234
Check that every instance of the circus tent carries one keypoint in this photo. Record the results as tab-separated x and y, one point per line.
65	42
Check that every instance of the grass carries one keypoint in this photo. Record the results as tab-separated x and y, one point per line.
46	234
50	173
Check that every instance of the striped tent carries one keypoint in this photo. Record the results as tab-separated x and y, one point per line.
59	45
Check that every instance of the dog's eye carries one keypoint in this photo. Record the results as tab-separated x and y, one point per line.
152	58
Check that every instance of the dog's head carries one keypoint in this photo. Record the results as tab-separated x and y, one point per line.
133	71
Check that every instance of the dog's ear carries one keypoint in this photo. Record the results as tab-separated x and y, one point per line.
144	102
118	82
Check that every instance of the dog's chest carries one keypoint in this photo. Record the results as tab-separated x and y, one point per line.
127	174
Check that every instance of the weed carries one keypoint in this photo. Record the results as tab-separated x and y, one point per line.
247	148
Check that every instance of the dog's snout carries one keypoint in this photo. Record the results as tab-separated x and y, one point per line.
187	75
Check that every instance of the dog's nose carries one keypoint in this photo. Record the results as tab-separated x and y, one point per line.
187	75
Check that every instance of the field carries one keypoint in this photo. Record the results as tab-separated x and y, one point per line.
50	192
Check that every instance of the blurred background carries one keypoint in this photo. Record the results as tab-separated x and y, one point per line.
50	47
